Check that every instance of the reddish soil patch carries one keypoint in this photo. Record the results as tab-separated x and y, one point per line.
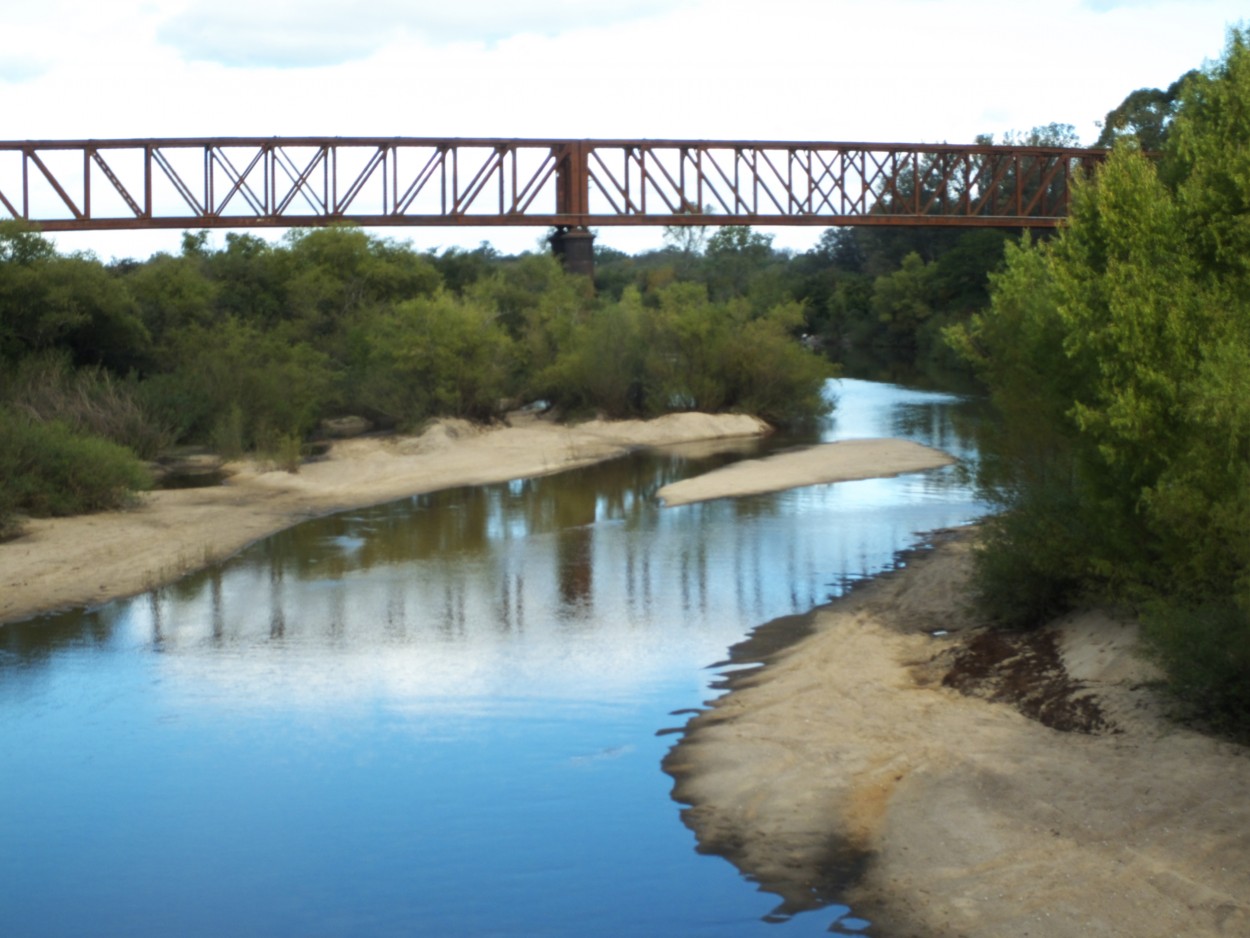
1025	669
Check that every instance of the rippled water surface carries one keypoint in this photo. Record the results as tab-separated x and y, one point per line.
441	716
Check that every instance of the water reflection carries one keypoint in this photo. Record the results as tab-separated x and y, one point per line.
434	681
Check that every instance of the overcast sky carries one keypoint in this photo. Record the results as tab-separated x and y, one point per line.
837	70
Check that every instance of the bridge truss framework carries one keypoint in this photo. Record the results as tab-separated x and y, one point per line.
245	182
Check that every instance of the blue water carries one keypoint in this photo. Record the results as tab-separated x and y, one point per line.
442	716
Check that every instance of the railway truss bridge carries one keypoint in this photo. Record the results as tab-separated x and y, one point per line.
570	186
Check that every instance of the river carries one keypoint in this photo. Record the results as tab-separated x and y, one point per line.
441	716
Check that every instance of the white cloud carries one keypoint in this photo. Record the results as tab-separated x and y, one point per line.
311	33
20	67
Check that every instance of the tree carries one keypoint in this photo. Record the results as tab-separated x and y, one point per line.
74	303
688	240
437	355
904	299
1124	345
1145	115
736	259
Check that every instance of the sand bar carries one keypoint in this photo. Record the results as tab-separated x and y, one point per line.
848	769
830	462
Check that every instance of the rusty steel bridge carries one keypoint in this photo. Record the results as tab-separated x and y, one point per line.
569	185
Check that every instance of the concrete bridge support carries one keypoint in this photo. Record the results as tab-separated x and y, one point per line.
575	247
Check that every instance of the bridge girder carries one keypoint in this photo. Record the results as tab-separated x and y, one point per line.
256	182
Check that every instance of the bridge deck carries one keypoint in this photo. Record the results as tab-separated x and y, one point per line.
243	182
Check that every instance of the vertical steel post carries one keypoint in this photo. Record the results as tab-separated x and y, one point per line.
573	243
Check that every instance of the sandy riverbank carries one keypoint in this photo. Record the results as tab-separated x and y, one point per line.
90	559
852	758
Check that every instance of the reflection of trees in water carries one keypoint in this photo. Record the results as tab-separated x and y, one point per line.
277	607
943	425
454	524
218	616
692	572
396	621
531	552
452	621
510	608
574	520
575	567
637	578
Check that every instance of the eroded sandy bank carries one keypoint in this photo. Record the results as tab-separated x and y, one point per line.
849	760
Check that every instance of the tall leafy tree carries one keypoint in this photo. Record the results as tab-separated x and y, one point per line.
1145	115
1131	335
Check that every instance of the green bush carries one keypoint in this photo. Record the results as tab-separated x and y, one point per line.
631	359
48	469
598	364
1026	573
1206	652
9	506
92	401
226	438
281	450
271	381
771	375
441	355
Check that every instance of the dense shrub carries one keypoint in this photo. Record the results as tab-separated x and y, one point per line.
48	469
1205	651
71	303
631	359
771	375
246	348
441	355
271	382
90	400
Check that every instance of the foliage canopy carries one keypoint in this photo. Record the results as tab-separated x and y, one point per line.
1119	354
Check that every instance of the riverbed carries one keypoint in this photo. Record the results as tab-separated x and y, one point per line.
443	715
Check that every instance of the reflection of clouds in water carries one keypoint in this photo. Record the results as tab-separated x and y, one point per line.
603	755
565	587
870	409
420	660
516	622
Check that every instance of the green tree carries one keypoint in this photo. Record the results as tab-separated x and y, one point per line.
74	303
736	259
1124	345
335	272
904	300
171	294
269	384
1145	115
438	355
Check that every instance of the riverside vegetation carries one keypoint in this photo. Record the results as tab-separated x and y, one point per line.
1116	353
249	348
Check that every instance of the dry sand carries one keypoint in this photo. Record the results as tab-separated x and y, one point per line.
831	462
850	768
